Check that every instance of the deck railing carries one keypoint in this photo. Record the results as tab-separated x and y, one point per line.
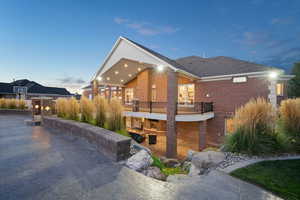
161	107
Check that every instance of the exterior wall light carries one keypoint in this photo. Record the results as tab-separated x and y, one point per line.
47	108
108	78
160	68
36	106
99	78
273	75
116	72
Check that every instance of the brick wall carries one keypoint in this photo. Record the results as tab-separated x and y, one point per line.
227	96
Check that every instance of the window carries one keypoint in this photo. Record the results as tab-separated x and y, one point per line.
128	95
279	89
153	92
186	94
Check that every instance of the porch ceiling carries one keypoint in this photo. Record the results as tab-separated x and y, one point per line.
122	72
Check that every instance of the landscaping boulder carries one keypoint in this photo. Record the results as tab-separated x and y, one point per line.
154	172
170	162
178	178
202	162
139	161
186	165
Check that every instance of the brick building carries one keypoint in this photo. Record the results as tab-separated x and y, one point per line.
184	102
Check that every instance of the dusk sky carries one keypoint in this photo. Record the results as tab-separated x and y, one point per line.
62	43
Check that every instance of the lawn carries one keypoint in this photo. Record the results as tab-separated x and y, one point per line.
280	177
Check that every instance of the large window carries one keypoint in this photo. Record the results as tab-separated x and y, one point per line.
279	89
128	95
186	94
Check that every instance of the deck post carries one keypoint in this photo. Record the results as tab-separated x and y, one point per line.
172	96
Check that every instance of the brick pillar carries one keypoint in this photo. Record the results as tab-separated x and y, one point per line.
95	88
172	90
202	135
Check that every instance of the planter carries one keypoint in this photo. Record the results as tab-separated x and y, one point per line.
111	144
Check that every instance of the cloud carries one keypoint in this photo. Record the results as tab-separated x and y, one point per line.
282	21
253	38
284	59
146	28
71	80
120	20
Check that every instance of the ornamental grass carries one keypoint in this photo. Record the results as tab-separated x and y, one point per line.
72	109
101	105
114	115
254	129
87	109
61	107
2	103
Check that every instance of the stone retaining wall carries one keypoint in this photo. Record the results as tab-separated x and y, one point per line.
113	145
14	112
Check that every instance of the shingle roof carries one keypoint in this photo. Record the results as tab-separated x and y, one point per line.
214	66
32	87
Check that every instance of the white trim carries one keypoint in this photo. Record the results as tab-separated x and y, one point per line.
178	118
144	51
41	94
231	75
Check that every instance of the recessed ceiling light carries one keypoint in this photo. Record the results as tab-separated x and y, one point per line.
139	69
116	72
108	78
130	75
160	68
99	78
125	65
122	80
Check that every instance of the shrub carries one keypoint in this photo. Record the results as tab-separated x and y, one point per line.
21	104
86	109
114	118
289	124
72	109
254	125
2	103
100	108
61	107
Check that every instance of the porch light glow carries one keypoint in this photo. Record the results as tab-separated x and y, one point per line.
47	108
139	69
160	68
125	65
130	75
36	106
116	72
108	78
99	78
273	75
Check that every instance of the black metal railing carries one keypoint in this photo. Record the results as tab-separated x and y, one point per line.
161	107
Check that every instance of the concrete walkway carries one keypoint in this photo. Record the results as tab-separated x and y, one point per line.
36	163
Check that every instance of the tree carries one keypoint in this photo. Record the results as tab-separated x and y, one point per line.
294	83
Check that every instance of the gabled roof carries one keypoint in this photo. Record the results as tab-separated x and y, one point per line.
32	87
197	66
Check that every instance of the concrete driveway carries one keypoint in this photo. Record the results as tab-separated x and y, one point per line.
38	163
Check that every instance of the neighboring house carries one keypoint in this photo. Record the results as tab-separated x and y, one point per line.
25	89
184	102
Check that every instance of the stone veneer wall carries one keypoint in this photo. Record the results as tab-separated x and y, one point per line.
15	112
113	145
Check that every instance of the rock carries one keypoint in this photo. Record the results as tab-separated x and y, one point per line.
186	166
207	159
177	178
154	172
170	162
190	154
139	161
194	171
